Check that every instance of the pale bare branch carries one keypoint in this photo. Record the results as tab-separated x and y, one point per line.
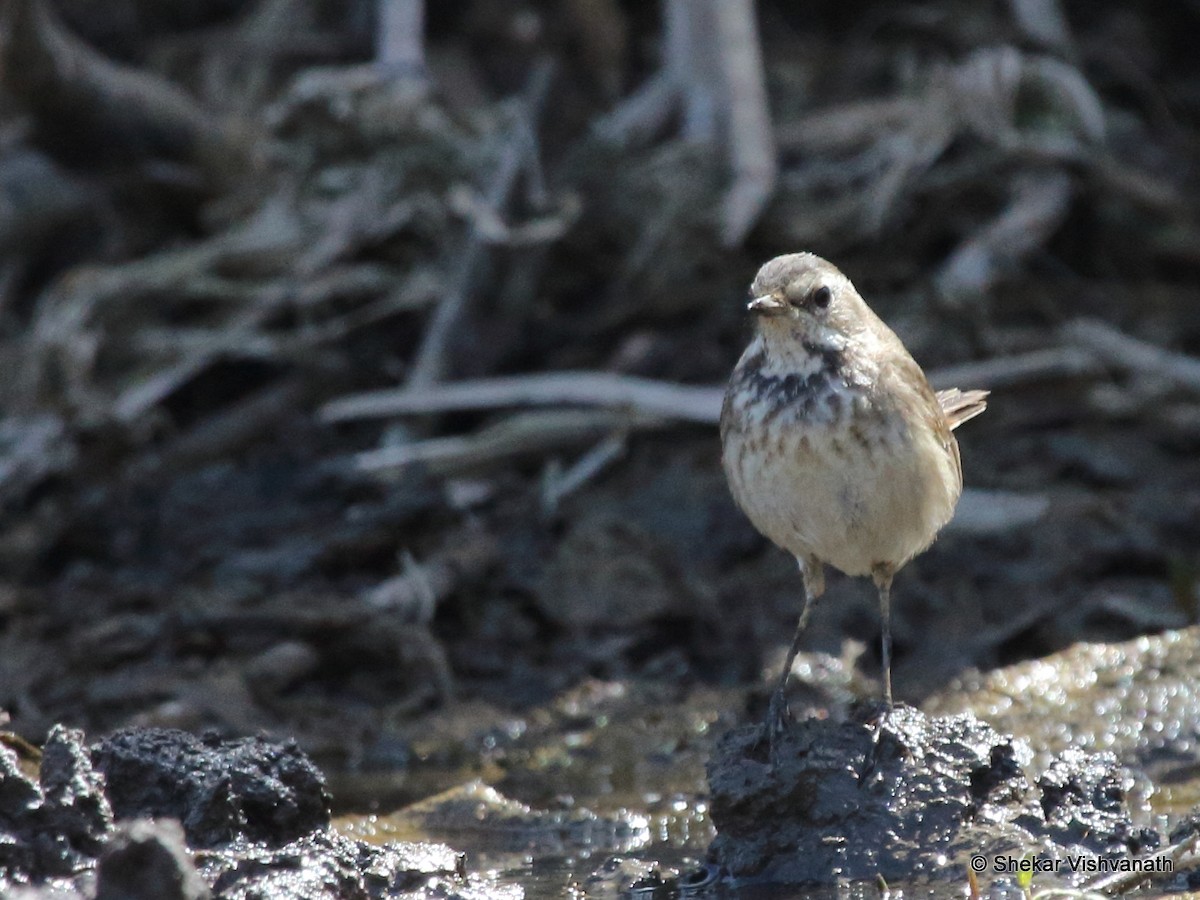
1038	206
662	399
642	395
522	433
400	36
1124	352
1051	364
751	141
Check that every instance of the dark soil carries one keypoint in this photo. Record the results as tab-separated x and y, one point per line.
103	822
870	798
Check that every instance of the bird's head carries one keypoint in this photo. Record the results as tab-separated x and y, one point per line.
803	296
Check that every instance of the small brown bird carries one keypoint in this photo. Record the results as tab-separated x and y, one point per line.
834	444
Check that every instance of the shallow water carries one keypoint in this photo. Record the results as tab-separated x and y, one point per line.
617	771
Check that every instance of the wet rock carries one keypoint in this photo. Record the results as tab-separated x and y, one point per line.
627	877
1085	794
54	826
258	810
221	791
19	800
913	797
327	866
148	860
74	805
476	808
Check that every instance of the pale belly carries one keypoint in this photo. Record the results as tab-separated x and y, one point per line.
819	491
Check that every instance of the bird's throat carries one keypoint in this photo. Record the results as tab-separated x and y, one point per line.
795	350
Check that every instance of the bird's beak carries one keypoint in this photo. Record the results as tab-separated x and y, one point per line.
768	305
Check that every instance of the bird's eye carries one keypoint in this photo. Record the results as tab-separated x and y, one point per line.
821	297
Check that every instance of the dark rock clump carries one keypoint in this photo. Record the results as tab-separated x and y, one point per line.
145	858
219	790
55	825
906	797
120	821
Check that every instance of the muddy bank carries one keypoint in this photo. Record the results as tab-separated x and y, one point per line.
1080	757
160	814
1139	700
604	791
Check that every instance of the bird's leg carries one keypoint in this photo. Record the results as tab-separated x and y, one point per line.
883	574
814	586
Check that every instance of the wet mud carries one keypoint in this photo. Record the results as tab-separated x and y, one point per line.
103	821
619	790
907	797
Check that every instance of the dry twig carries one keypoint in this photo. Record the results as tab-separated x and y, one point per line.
1124	352
643	396
713	72
430	363
751	141
400	36
30	450
872	155
692	60
1034	367
982	512
1038	206
1044	22
648	397
59	77
530	432
1182	856
558	483
420	586
223	433
642	115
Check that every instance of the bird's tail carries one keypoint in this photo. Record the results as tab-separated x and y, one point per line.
961	405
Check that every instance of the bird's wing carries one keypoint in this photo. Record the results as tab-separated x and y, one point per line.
959	406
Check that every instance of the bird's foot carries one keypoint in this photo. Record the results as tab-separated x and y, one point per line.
885	713
881	721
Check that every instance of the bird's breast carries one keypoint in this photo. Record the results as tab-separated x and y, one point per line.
823	465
